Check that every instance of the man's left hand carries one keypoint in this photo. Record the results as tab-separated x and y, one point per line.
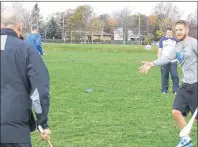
145	68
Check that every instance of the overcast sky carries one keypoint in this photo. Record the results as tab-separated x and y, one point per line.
47	8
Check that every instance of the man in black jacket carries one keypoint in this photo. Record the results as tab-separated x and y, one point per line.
24	84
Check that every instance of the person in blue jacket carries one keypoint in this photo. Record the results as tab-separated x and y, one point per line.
34	39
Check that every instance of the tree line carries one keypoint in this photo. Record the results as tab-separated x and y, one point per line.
83	20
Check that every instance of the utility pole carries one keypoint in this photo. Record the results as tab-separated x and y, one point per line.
64	27
124	33
139	30
71	36
45	35
92	37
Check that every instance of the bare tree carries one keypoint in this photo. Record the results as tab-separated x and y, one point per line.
26	21
62	20
167	10
26	16
167	14
123	17
18	6
192	18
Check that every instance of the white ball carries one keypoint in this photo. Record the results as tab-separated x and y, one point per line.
148	47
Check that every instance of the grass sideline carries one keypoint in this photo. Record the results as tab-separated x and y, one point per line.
125	109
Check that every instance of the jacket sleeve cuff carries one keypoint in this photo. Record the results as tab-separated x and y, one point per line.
44	126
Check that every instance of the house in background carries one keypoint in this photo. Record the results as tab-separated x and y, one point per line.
132	28
98	37
118	33
102	36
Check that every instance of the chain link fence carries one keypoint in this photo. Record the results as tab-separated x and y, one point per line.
88	37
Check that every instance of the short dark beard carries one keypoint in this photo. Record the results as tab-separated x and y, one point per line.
183	37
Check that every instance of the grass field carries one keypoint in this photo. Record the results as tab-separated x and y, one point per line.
125	108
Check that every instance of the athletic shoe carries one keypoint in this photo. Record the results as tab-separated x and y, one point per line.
185	142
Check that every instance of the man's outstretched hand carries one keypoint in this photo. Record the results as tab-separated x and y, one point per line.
146	66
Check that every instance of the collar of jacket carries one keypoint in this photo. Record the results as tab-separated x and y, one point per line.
9	32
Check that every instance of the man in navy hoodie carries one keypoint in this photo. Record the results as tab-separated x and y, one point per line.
34	39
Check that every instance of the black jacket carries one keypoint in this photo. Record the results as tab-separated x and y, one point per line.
24	84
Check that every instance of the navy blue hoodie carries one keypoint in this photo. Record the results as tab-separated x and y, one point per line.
34	40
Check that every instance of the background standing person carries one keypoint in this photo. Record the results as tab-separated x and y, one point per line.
166	44
34	39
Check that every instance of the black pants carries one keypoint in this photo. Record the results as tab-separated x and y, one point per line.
14	145
165	69
186	99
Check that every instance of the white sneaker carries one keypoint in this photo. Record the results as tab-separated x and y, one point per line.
185	142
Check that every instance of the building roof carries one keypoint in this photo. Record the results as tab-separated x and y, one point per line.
101	34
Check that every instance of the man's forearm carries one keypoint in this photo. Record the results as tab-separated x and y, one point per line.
42	119
161	61
165	59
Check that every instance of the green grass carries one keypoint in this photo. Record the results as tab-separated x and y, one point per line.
125	109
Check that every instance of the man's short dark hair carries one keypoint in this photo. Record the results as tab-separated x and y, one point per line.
34	27
169	29
185	23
